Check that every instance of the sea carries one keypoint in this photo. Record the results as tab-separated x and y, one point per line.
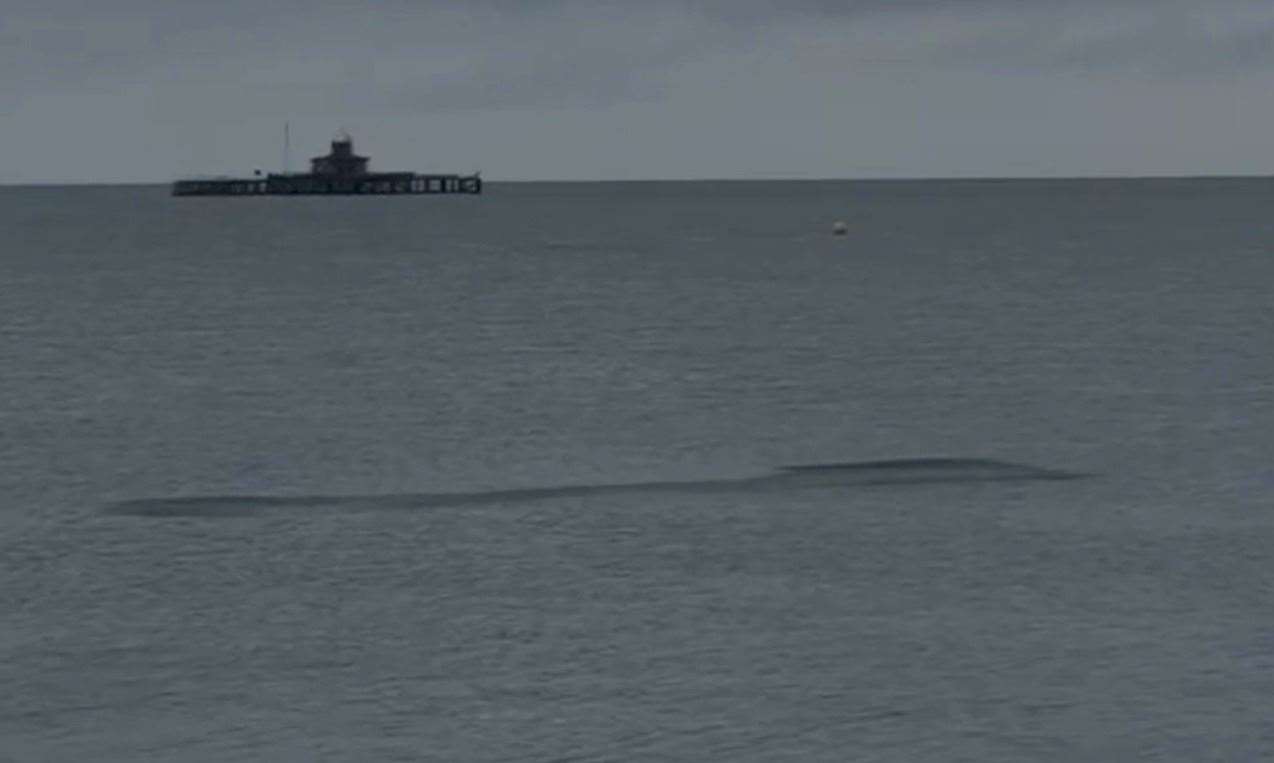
503	477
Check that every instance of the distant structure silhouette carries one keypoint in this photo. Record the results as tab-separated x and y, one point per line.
340	171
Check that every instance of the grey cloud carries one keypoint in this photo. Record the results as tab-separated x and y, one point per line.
121	38
1168	41
871	76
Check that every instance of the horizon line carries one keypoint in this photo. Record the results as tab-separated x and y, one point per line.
775	179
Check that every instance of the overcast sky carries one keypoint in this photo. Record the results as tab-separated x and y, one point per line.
147	90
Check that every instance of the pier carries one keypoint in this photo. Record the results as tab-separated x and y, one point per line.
339	172
283	185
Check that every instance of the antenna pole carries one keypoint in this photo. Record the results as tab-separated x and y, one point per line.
287	148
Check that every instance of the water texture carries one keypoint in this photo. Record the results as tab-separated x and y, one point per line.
500	478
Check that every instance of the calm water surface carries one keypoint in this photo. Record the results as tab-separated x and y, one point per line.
570	335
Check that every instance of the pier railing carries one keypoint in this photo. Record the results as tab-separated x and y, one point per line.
289	185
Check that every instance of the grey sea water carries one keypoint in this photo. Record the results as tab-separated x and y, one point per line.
493	478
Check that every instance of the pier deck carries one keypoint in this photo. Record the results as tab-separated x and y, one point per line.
311	184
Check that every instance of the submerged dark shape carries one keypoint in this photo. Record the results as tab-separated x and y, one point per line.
853	474
911	470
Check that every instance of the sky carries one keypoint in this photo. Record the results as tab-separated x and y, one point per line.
150	90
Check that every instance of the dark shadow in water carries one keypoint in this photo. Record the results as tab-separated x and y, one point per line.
858	474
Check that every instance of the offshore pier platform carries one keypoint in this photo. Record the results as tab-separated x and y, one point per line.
339	172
